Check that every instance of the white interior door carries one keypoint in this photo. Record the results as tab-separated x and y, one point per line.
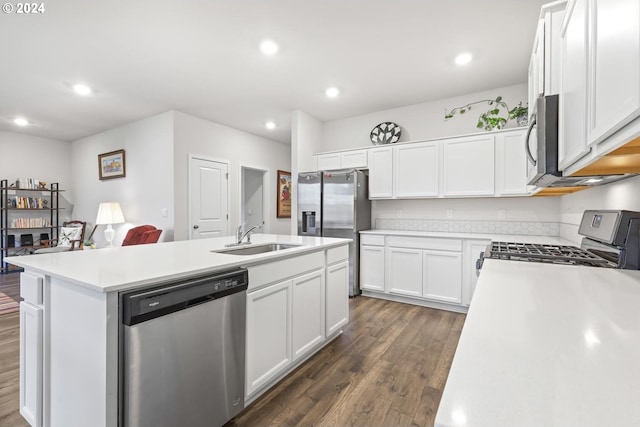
208	198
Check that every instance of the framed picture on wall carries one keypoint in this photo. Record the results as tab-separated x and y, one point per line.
284	194
112	165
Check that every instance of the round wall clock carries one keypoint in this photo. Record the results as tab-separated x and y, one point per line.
385	133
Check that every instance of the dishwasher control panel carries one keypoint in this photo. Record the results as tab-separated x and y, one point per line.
142	305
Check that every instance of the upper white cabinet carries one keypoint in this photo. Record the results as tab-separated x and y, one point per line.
572	143
381	173
511	164
468	166
600	87
341	160
614	66
416	170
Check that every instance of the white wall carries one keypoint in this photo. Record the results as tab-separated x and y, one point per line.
148	185
34	157
420	121
193	135
619	195
306	139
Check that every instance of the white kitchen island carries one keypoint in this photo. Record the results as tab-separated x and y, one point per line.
547	345
70	316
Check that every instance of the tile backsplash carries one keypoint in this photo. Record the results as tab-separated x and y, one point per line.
528	228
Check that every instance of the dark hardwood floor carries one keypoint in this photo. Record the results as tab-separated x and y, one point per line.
388	368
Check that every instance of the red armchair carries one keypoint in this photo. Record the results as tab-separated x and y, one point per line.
142	235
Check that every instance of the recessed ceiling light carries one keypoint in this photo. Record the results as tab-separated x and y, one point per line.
332	92
270	125
268	47
81	89
21	121
463	58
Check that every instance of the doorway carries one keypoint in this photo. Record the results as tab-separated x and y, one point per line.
253	198
208	198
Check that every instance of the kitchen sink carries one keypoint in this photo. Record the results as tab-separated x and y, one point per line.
257	249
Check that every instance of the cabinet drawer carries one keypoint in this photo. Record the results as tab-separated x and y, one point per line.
371	239
426	243
271	272
337	254
31	288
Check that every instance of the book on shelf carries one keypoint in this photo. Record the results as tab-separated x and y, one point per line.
21	202
30	223
28	183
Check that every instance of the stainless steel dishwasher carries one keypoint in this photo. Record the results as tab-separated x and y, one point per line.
182	352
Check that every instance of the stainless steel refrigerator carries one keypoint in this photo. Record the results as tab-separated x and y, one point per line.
336	204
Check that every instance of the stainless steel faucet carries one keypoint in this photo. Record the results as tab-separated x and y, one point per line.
240	236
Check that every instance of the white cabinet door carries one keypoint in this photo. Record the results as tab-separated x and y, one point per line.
511	164
328	161
536	67
469	166
31	339
337	301
405	271
416	170
308	316
443	276
354	159
572	144
268	334
380	173
372	268
470	274
614	66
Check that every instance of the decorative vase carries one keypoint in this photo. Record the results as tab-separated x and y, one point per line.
522	121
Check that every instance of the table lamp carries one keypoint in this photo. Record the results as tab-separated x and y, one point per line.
109	213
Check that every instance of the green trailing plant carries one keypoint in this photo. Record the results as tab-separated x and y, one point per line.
519	111
493	118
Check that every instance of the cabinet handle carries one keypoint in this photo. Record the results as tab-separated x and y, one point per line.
195	227
531	125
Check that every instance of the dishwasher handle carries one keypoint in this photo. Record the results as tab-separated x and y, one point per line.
141	306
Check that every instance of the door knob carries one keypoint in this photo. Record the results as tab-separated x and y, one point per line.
195	227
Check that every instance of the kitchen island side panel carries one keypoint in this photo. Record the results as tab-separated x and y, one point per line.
81	356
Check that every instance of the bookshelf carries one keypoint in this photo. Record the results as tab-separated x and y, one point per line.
25	212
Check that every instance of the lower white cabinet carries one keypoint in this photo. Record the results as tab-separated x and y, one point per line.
306	304
442	276
31	339
308	312
405	271
337	297
372	267
268	342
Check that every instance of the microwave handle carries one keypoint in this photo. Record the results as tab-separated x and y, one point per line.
531	125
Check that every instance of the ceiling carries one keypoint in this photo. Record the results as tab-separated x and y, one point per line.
202	57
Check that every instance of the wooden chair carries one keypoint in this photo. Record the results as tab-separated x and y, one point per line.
142	235
68	238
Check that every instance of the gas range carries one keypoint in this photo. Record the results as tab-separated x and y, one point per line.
611	239
553	254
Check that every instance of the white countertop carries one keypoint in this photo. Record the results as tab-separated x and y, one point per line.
118	268
478	236
547	345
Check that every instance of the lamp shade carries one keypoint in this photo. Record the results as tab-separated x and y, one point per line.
109	213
